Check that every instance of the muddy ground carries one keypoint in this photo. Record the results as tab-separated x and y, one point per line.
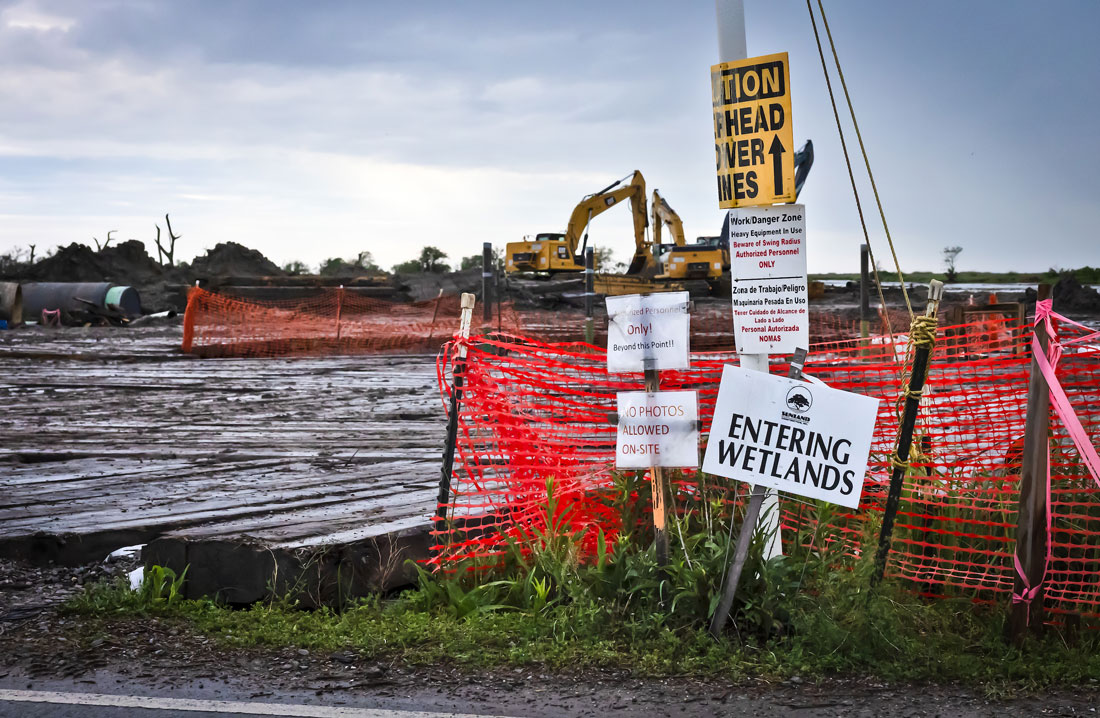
43	650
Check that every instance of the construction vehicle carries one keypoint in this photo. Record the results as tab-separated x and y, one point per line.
552	252
678	259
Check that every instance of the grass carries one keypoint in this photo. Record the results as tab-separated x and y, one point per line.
809	613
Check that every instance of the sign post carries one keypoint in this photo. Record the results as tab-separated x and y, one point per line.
751	106
786	434
647	333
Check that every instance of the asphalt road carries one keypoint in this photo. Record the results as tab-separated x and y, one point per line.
63	704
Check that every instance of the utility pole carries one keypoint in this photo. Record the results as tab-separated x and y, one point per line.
732	45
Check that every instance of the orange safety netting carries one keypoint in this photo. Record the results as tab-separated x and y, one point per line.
535	412
332	321
342	321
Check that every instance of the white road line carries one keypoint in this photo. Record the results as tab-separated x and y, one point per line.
205	706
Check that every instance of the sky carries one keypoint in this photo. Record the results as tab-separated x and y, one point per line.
323	129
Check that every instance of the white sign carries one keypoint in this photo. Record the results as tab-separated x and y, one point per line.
803	438
648	331
657	429
768	267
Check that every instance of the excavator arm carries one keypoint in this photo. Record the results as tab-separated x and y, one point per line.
565	253
664	214
576	232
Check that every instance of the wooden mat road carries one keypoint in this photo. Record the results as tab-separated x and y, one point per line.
112	438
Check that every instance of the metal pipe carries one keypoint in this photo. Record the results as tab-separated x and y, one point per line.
80	297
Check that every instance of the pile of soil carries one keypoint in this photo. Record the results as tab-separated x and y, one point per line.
132	264
230	259
126	263
1069	295
75	263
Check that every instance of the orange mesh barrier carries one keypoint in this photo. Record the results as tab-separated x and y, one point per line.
535	412
342	321
334	321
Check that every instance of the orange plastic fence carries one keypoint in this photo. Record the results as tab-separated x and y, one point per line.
534	412
341	321
333	321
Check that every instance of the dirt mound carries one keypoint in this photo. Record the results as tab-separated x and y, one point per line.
1069	295
125	263
130	262
75	263
230	259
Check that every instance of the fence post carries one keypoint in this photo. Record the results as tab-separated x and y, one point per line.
660	532
1031	528
486	284
339	309
589	293
444	496
900	462
189	319
864	299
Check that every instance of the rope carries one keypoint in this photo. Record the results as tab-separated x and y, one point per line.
922	334
863	149
852	178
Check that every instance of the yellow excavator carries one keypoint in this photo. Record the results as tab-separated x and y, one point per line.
679	259
551	253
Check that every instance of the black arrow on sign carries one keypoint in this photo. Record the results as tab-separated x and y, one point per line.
776	151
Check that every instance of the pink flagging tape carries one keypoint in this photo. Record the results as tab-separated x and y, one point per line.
1047	363
1044	313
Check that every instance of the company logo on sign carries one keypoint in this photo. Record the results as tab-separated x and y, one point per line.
799	399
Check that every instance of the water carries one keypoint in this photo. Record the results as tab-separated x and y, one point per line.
978	289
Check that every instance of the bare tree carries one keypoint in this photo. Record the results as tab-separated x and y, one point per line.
100	248
30	260
950	254
170	253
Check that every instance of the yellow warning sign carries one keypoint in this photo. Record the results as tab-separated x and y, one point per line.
753	141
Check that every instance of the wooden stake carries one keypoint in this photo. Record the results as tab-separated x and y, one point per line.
486	284
589	294
864	299
435	314
444	497
660	532
339	309
921	356
1031	529
748	527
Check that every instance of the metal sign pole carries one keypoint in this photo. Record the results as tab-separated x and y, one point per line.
732	45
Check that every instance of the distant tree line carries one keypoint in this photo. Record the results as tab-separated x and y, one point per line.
431	260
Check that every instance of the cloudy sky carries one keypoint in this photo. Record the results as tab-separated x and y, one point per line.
312	130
